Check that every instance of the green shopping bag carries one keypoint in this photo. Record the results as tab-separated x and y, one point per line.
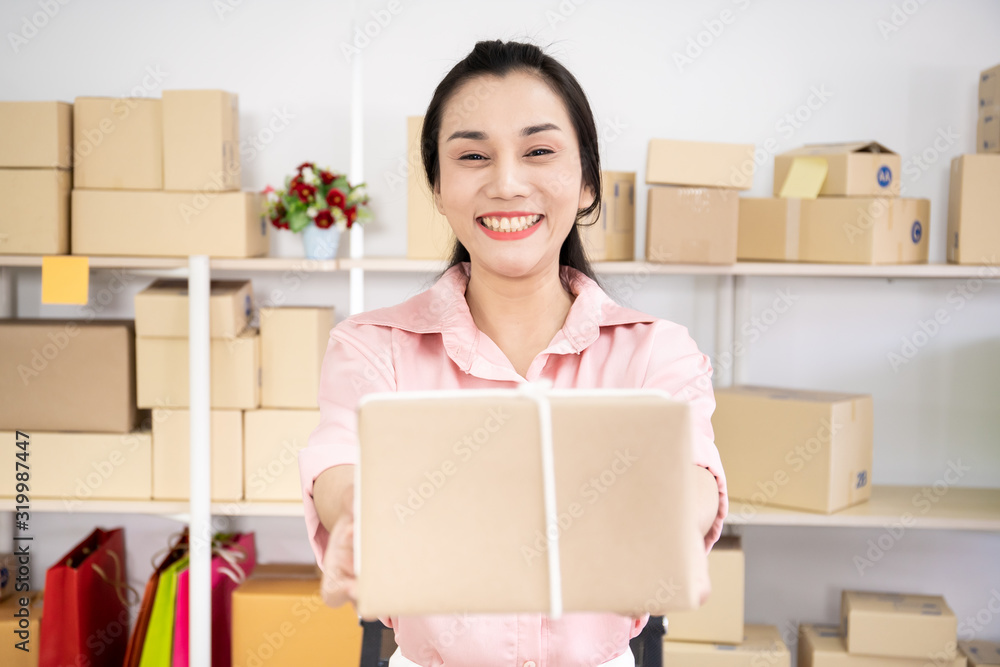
156	651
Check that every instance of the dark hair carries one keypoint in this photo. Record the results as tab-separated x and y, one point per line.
498	58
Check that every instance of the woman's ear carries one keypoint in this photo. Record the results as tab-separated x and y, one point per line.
587	196
437	200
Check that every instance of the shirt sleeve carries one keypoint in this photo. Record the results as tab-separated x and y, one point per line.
679	368
357	361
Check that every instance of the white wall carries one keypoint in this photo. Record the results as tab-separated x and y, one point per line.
913	89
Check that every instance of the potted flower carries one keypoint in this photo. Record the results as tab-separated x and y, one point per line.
319	203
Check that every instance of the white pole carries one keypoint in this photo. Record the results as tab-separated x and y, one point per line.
357	172
200	566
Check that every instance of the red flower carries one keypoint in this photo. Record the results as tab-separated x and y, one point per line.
327	177
336	198
279	222
304	191
268	190
303	166
323	219
352	215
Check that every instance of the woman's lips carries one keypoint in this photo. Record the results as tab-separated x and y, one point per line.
509	236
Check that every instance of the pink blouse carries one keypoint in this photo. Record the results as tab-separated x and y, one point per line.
430	341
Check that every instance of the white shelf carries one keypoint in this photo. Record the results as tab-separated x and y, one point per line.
404	265
956	509
157	507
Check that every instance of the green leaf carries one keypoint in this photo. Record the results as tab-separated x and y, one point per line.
298	220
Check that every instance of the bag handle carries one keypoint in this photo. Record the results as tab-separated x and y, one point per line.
119	584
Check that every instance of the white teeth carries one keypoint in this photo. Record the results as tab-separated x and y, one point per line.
511	224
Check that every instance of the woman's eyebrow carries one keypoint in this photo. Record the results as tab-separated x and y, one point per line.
477	135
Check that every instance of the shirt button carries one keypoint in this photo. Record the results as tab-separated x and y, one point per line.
529	663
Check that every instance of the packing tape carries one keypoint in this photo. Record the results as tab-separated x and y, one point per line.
793	223
536	392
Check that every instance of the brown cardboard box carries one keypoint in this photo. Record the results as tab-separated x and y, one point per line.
981	653
271	443
34	218
611	236
172	454
287	570
282	622
720	619
74	467
700	164
292	344
52	368
437	463
807	450
162	371
762	646
989	87
691	225
36	134
769	229
201	140
850	230
902	626
988	130
823	646
168	224
428	234
161	309
974	210
10	654
118	143
857	169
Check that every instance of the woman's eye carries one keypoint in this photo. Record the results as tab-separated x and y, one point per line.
472	156
542	151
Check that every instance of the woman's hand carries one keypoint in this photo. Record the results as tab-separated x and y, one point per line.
339	582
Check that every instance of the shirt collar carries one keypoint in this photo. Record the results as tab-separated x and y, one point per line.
442	309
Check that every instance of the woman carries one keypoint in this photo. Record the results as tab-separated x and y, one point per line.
509	146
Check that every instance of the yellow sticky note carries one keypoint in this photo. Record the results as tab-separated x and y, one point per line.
65	279
805	178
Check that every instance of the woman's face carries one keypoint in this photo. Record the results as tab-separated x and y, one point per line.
510	175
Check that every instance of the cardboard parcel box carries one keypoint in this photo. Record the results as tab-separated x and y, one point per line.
293	342
849	230
981	653
700	164
895	625
201	140
762	646
172	454
168	224
526	500
823	646
34	219
610	236
10	626
162	308
692	225
974	210
858	168
36	134
807	450
720	619
59	375
118	143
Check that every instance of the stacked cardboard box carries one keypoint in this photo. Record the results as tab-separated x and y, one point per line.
981	653
835	203
35	177
428	234
761	646
693	211
609	234
988	128
162	346
974	194
720	619
162	177
293	343
884	628
805	450
11	625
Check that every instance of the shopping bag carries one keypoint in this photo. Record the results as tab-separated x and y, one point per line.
157	649
86	617
234	558
133	652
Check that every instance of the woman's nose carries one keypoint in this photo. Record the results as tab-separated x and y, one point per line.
508	179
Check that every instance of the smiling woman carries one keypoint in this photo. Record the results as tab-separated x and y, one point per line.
510	151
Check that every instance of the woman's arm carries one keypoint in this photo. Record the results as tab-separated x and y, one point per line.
706	499
333	493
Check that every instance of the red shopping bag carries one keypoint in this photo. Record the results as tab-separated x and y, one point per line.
86	615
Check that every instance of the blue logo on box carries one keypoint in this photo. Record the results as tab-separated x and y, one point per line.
916	231
246	305
263	225
884	176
